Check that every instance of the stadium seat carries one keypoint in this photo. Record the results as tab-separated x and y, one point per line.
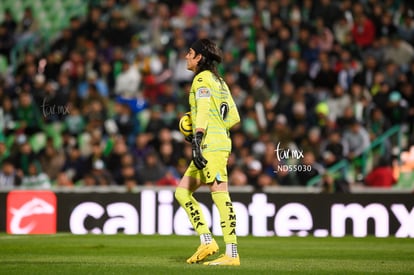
10	140
3	64
405	181
37	141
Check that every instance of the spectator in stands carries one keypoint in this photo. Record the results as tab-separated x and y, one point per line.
8	122
8	175
95	114
74	121
101	175
397	108
22	154
168	154
381	97
141	148
334	149
310	168
383	21
35	177
88	181
328	11
75	165
241	148
282	176
71	67
238	177
120	33
338	102
125	120
365	76
300	122
360	99
253	172
152	170
64	44
156	121
399	52
128	175
28	26
407	91
382	175
8	21
285	100
363	31
324	122
346	119
259	89
301	76
341	29
6	42
96	153
92	86
128	81
28	114
170	178
377	123
91	27
250	124
4	151
357	139
326	78
38	91
63	180
392	74
406	27
51	159
312	142
347	71
125	169
119	149
331	184
265	180
325	38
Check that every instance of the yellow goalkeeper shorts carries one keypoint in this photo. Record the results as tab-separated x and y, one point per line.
216	168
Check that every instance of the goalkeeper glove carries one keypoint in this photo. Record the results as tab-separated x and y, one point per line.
199	161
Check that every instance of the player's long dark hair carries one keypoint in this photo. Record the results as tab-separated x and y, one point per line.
211	56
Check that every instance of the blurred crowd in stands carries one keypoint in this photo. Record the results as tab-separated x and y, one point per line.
100	105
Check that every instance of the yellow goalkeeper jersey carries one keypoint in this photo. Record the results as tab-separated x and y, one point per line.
213	109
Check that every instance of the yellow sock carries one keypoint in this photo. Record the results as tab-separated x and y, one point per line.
227	216
192	207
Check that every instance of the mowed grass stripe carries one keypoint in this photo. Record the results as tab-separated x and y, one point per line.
140	254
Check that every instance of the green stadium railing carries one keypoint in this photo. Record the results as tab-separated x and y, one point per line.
343	167
380	143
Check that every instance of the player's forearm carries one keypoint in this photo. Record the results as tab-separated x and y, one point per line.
203	106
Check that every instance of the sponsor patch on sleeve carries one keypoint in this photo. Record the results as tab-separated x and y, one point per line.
203	92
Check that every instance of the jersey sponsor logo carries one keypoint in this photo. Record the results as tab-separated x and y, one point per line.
31	212
203	92
200	79
224	110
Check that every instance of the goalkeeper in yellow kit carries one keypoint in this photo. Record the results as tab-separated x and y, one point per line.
213	113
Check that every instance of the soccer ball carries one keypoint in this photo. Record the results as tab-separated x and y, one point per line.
185	125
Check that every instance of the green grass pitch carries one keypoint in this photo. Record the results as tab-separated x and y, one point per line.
139	254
